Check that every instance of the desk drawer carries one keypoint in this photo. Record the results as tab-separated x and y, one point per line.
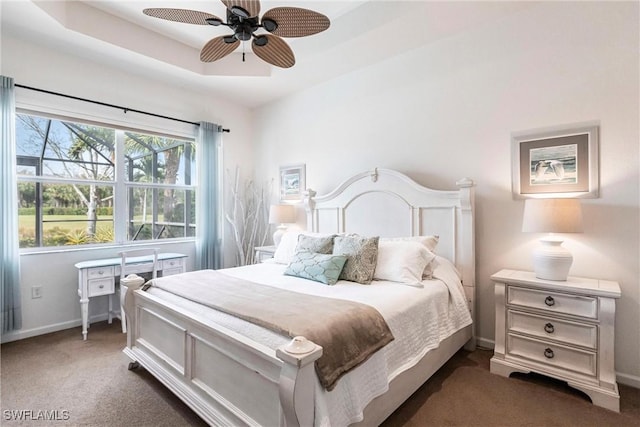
98	287
100	272
554	302
553	355
171	264
548	327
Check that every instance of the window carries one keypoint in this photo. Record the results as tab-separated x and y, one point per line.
84	184
159	211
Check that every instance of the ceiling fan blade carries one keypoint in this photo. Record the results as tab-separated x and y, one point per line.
251	6
276	51
180	15
296	22
217	48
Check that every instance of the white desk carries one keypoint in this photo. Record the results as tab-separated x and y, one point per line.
98	277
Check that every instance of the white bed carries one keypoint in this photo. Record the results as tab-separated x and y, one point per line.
232	372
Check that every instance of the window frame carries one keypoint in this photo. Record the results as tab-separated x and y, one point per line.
121	187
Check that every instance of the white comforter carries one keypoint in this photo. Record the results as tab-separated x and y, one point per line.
419	318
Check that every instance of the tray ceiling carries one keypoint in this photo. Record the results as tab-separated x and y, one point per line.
362	33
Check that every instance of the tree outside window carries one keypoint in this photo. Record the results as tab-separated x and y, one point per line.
67	184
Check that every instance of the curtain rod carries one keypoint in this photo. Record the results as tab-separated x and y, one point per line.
104	104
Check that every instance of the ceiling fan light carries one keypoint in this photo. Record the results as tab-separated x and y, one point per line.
260	40
269	25
214	21
237	10
242	35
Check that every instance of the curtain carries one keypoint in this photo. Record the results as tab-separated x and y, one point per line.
208	207
9	242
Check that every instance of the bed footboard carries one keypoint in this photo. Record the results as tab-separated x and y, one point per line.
224	377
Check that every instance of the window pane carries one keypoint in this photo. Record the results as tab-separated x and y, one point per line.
141	169
66	149
66	217
30	133
158	159
161	213
27	214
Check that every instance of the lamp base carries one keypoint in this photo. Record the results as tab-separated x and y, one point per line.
551	261
277	236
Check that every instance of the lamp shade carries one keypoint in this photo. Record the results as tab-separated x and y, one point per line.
282	214
552	216
551	261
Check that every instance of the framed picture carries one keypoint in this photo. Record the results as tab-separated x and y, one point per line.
557	163
292	182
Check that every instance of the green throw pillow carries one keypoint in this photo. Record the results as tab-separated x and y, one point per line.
321	268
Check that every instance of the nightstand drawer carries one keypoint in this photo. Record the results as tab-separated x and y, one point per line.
561	357
556	302
99	272
585	335
99	287
263	253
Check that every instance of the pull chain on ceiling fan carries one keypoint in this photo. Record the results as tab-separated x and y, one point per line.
243	19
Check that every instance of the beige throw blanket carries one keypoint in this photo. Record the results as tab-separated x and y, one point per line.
349	332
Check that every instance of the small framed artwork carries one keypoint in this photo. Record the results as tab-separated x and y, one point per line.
557	163
292	182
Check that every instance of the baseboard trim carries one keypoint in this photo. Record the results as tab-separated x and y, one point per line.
629	380
485	343
28	333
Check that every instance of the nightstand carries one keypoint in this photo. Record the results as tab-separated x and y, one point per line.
263	253
562	329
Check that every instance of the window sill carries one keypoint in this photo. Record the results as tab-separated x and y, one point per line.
96	247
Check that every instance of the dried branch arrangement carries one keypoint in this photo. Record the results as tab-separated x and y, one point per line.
248	216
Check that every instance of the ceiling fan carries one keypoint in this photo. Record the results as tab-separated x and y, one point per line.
243	20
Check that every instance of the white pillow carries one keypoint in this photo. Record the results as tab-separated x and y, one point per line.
287	247
430	242
402	261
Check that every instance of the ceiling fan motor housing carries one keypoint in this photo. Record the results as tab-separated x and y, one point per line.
243	28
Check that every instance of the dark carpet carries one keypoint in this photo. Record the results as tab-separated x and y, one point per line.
86	383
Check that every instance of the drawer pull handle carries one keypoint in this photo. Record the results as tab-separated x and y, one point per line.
548	328
101	272
101	286
549	301
548	353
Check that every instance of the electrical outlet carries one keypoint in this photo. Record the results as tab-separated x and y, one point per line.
36	292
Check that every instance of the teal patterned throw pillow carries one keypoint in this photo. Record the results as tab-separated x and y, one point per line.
321	268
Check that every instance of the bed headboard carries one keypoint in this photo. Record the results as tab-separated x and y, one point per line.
387	203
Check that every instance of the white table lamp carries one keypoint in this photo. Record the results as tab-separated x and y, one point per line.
551	261
281	214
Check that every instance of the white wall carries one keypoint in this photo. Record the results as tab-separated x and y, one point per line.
437	113
446	111
41	67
